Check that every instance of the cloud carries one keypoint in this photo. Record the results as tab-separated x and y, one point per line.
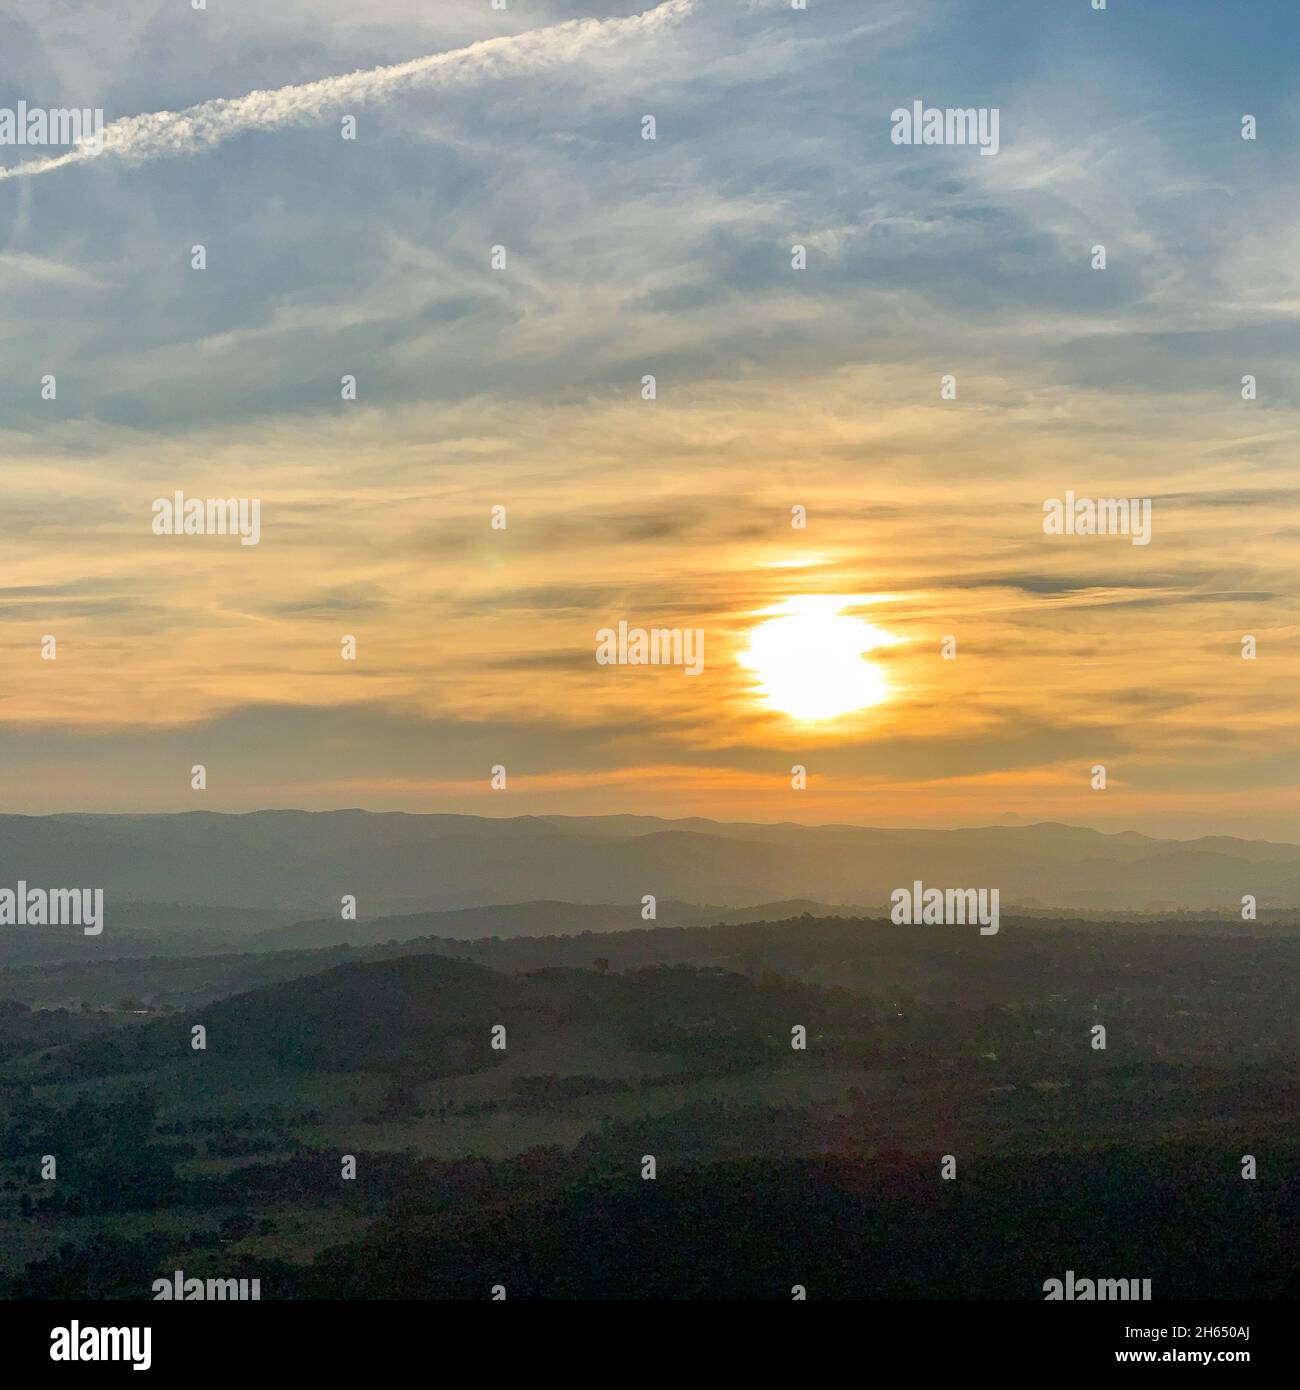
159	134
520	386
18	269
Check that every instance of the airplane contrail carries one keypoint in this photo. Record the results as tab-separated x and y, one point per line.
158	134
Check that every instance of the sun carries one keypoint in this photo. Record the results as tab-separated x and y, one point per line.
808	657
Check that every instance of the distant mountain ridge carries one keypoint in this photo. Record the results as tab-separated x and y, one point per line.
509	920
395	863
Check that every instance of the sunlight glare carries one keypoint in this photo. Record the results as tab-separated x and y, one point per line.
808	657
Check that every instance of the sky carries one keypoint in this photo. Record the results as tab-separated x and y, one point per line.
520	386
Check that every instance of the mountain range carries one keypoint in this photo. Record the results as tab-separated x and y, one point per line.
301	864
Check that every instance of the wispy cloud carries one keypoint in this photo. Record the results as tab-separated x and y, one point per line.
159	134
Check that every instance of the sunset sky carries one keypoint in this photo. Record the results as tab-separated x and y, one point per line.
521	387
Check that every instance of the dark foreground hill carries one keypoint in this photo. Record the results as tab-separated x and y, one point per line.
767	1228
838	1228
775	1164
431	1016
